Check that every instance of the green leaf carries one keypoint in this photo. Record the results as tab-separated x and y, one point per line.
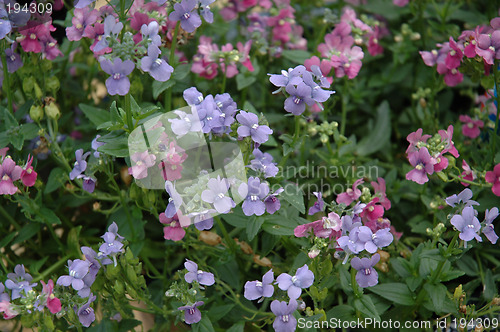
296	56
437	294
17	139
279	225
6	240
247	106
205	325
366	306
158	87
237	218
238	327
116	144
29	131
27	232
253	226
489	289
96	115
56	180
181	71
217	312
395	292
294	195
380	134
8	119
341	312
47	216
244	81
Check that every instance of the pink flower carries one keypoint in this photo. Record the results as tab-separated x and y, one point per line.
325	67
493	177
455	55
337	41
423	164
53	303
173	231
8	310
415	138
9	172
28	175
440	162
171	165
244	53
141	162
351	194
447	136
470	128
467	174
33	34
281	24
348	63
326	227
379	188
372	210
400	3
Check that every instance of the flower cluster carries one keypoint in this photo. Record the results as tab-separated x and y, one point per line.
426	153
465	219
299	85
10	172
293	285
80	168
480	44
185	12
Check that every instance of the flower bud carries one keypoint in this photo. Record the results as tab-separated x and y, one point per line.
29	85
36	113
52	110
125	176
210	238
46	65
38	91
262	261
52	83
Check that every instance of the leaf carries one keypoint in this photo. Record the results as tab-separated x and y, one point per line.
158	87
253	227
205	325
395	292
366	306
6	240
9	119
181	71
380	134
96	115
217	312
47	216
244	81
238	327
116	144
342	312
296	56
56	179
437	294
27	232
237	218
29	131
489	289
279	225
294	195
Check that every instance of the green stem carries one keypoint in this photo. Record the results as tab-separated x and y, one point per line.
9	218
54	236
171	60
230	242
296	135
128	111
153	269
6	82
51	268
238	302
460	179
495	133
354	283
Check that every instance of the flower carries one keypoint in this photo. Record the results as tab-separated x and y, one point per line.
77	270
14	61
303	278
158	68
19	282
351	243
173	231
111	28
174	201
366	276
142	161
351	194
83	21
372	210
492	177
95	145
319	205
250	127
253	193
423	164
8	309
260	289
382	238
112	241
216	195
203	278
272	202
80	164
470	128
264	162
464	197
191	313
52	302
118	83
85	313
28	175
284	322
467	224
488	228
415	138
150	33
9	172
184	12
300	95
467	174
88	183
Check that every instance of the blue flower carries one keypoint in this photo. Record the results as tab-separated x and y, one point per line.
80	164
253	192
366	276
184	12
303	278
467	224
259	289
193	274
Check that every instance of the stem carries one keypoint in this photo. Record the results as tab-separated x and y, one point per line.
52	268
128	111
6	82
296	135
344	108
354	283
494	136
171	60
9	218
230	242
238	302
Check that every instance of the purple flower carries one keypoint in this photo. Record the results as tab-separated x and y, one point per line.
80	164
303	278
88	183
464	197
284	322
227	107
287	77
141	162
203	278
264	162
250	127
382	238
9	172
174	201
319	205
118	82
253	192
366	276
210	115
4	297
184	12
158	68
94	266
14	61
85	313
467	224
111	27
5	28
83	20
186	123
423	164
192	96
272	202
95	145
18	282
260	289
216	195
207	14
191	313
112	241
78	269
351	243
150	33
299	97
349	223
203	220
488	228
83	3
